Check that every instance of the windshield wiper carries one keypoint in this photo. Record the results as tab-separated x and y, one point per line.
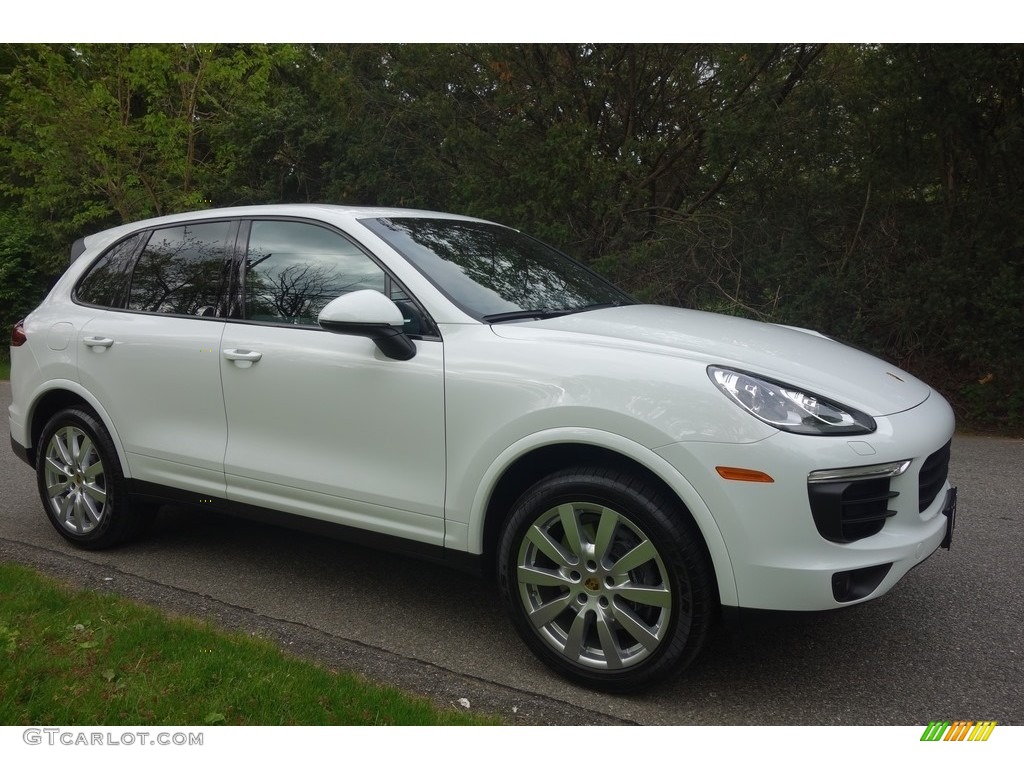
526	314
542	314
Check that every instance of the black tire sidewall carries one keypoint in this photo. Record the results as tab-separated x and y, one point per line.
674	535
117	522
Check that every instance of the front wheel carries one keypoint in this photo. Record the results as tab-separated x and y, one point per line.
81	483
606	579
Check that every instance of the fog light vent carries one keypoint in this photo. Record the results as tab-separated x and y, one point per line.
858	583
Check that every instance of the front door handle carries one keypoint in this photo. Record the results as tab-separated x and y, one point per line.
243	358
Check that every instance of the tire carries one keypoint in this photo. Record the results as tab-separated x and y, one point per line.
606	579
81	483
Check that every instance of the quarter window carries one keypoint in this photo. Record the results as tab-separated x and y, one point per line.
106	283
293	270
181	270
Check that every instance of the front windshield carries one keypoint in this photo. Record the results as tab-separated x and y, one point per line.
495	273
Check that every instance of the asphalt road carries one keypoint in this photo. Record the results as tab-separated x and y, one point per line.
945	644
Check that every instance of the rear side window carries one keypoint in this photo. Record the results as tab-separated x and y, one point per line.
182	271
106	283
294	269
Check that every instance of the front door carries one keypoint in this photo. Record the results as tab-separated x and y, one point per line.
320	424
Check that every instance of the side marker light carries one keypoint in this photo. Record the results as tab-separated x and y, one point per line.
744	475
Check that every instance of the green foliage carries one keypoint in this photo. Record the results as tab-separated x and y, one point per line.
8	640
103	134
870	191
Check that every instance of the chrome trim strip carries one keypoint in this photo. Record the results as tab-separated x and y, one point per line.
871	472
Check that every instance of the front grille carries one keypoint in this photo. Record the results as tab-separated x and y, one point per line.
933	477
850	510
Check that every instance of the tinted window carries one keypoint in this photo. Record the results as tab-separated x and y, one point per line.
106	283
293	270
181	270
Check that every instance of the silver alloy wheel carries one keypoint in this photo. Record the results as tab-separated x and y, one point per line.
594	586
75	480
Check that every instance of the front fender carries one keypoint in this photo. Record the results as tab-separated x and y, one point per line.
684	490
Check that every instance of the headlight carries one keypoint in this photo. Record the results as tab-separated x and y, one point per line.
787	408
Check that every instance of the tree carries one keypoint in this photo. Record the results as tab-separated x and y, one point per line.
870	191
96	135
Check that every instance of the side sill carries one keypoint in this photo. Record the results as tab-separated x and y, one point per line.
160	494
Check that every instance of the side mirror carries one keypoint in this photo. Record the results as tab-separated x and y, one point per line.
369	313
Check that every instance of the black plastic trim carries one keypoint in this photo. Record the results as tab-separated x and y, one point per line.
857	584
848	510
22	452
739	621
933	476
949	511
462	561
77	249
390	339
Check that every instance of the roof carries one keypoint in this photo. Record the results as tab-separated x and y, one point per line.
322	211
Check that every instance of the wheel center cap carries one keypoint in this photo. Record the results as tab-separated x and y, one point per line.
592	584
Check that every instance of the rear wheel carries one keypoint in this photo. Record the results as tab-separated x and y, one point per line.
606	579
81	483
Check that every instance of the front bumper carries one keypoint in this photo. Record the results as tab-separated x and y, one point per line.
779	557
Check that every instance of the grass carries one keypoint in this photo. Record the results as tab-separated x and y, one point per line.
79	658
5	369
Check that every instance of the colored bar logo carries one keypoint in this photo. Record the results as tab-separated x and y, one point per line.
958	730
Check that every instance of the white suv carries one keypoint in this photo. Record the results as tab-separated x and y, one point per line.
457	390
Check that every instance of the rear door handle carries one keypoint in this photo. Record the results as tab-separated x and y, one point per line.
98	341
243	358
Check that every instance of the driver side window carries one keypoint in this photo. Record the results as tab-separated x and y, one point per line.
294	269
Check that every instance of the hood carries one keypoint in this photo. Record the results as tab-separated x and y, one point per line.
802	358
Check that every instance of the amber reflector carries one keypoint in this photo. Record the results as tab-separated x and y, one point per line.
744	475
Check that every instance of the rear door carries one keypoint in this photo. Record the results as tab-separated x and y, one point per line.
149	352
